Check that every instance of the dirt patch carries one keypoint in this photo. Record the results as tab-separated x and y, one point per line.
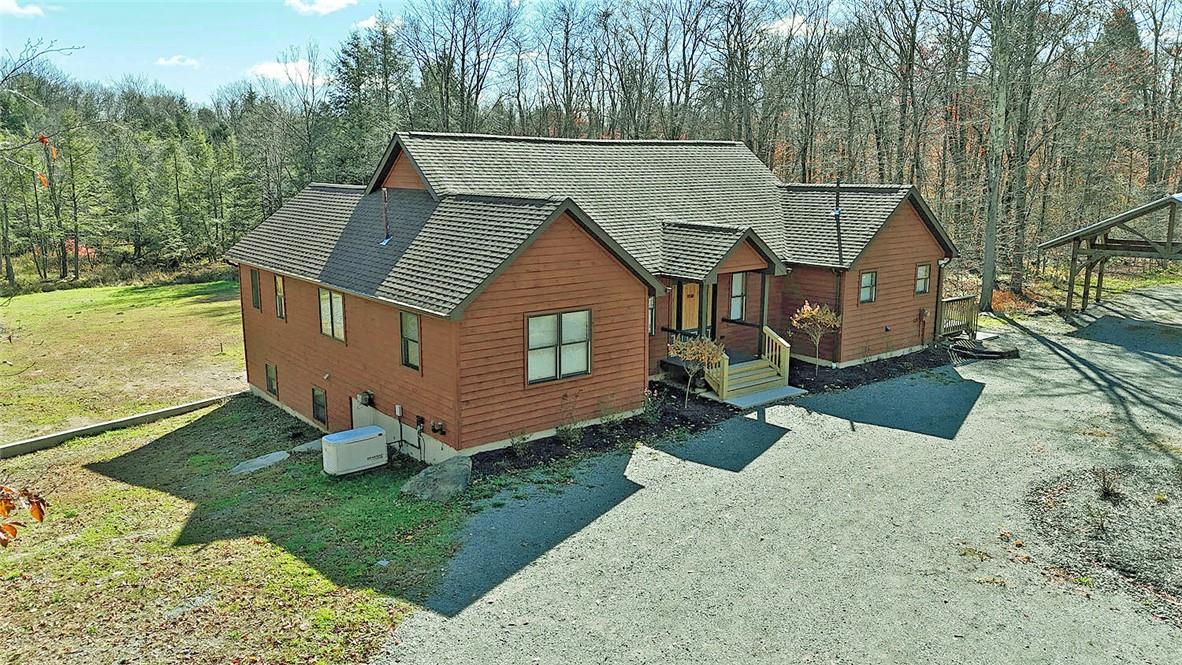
664	416
824	379
1117	529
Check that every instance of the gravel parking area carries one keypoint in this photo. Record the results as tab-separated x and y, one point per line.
888	523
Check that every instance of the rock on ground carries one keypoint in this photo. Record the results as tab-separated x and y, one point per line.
314	446
261	462
442	481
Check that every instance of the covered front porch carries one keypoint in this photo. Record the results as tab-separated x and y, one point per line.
728	304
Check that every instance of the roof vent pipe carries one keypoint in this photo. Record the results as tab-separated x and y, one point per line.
386	214
837	219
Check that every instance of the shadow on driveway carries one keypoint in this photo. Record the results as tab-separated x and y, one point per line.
1135	335
934	402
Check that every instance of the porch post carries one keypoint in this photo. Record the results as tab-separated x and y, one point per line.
763	282
703	308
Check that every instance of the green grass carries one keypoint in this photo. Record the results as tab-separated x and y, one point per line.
151	550
73	357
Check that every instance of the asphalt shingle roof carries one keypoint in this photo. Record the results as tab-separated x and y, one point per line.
440	252
810	230
629	188
691	250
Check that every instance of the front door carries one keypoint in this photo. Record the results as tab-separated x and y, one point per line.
690	306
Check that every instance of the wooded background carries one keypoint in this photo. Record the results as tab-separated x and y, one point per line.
1016	119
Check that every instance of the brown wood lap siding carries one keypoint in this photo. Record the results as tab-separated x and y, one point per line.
403	175
902	243
368	360
564	269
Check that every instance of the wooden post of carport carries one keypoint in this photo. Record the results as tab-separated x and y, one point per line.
1087	285
1100	272
1071	272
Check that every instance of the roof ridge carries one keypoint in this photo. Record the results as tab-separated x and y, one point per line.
703	225
845	185
558	139
503	197
334	185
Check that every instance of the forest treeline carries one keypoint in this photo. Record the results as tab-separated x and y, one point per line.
1017	119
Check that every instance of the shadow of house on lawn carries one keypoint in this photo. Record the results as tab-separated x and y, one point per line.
934	402
1135	335
342	527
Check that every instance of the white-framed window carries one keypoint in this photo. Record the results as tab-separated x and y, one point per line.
923	278
256	297
280	301
411	351
332	314
558	346
272	379
652	315
868	287
738	295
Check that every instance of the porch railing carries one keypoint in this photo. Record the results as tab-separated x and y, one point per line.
958	315
718	376
776	352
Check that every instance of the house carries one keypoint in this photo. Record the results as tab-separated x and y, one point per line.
483	288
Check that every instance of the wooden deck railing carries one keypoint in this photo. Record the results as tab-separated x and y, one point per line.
718	376
958	315
777	352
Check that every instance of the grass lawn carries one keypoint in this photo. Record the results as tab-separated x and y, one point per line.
78	356
153	553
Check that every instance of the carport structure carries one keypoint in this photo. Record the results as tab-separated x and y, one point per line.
1093	245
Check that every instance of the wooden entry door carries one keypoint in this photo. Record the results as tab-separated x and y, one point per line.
690	306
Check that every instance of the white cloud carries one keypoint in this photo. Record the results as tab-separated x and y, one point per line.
367	23
318	7
788	26
178	60
11	8
296	70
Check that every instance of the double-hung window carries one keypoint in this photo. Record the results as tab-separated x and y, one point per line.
738	295
559	346
332	314
923	278
409	325
280	301
256	298
868	287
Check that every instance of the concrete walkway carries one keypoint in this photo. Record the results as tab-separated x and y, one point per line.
834	529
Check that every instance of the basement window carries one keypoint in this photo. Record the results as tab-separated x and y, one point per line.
868	287
256	298
738	295
332	314
559	346
410	340
923	278
319	406
280	300
272	379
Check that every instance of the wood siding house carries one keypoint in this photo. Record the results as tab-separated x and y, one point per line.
481	288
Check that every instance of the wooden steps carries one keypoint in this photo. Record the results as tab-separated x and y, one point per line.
752	377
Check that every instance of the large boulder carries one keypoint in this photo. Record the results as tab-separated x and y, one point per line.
442	481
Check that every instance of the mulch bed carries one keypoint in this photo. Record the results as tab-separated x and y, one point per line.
1127	542
669	417
801	374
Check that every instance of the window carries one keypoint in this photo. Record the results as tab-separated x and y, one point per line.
410	340
652	315
256	298
272	380
280	302
738	295
869	287
559	346
923	278
332	314
319	406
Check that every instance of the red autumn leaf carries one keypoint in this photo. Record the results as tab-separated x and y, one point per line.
53	152
6	506
37	510
43	139
44	180
9	528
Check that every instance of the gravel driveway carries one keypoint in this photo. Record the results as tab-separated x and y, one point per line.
848	527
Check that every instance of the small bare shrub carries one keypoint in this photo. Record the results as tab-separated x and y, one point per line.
1099	518
697	353
610	417
1108	483
519	444
651	414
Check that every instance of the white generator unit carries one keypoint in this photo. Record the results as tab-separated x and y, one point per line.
354	450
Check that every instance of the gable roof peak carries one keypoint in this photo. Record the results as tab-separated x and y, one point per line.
558	139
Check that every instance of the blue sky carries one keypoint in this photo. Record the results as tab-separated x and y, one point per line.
193	47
